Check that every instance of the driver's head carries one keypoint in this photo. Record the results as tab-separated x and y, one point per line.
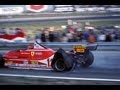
30	46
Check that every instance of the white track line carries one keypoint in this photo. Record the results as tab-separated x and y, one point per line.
68	78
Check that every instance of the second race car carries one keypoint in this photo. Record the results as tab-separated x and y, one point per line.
37	56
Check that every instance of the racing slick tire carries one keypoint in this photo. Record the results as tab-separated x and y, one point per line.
88	60
59	65
61	61
1	61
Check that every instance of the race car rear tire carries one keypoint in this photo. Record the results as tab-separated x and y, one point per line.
1	61
88	60
59	65
62	61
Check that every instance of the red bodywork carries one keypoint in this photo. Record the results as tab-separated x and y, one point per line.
36	57
11	37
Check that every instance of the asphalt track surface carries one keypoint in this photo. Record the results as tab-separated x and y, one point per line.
104	71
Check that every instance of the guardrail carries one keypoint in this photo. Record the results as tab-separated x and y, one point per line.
66	46
58	43
108	17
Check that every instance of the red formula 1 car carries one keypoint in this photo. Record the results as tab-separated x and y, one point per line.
37	56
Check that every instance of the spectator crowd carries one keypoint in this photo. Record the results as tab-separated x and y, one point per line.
78	33
73	33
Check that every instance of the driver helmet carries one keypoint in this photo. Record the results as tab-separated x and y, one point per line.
30	46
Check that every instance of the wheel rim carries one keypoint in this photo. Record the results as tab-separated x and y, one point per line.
60	65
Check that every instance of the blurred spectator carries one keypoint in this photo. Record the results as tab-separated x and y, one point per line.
70	37
86	35
79	35
51	36
108	38
17	30
75	37
43	37
2	31
116	37
70	28
47	34
64	38
101	37
58	36
37	37
113	36
12	31
91	38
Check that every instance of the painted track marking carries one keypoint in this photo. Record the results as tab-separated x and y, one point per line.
67	78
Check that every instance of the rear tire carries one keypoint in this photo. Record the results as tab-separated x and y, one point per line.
2	61
62	61
88	60
59	65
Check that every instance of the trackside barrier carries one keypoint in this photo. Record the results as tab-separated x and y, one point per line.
66	46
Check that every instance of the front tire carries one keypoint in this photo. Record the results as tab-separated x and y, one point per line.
88	60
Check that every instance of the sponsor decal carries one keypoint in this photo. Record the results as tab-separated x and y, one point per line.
32	66
24	53
25	62
32	53
79	48
11	10
9	62
37	8
34	62
64	9
38	53
63	5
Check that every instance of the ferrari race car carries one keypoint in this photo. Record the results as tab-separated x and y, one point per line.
37	56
